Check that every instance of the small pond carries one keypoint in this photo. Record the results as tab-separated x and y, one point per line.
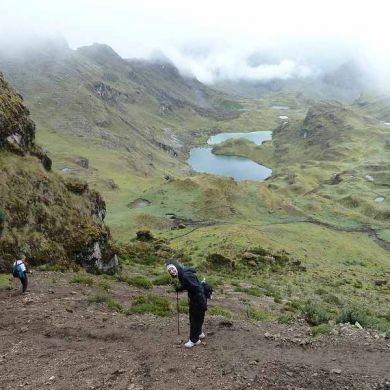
240	168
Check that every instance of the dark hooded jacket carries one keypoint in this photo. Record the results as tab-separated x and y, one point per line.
189	282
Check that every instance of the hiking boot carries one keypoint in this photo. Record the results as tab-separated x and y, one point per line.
190	344
202	336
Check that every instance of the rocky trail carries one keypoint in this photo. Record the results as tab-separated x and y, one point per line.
54	338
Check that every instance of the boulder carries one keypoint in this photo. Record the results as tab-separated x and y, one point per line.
93	260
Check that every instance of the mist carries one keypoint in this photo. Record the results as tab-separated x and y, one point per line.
214	41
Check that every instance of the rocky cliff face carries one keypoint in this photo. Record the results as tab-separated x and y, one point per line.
17	130
50	219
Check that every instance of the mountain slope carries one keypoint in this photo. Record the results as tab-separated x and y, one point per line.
48	218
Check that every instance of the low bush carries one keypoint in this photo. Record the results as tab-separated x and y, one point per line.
353	315
316	314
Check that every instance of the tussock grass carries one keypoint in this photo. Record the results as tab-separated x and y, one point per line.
151	303
219	311
102	297
137	281
83	278
257	314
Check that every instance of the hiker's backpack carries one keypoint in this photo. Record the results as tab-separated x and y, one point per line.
208	290
17	271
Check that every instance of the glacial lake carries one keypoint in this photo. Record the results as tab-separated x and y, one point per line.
240	168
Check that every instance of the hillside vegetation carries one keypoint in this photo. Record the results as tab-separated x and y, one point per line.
127	126
50	219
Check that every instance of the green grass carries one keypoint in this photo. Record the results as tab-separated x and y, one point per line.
183	306
137	281
219	311
321	329
257	315
83	278
151	303
254	291
101	297
162	280
5	281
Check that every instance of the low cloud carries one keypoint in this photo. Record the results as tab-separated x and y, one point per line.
218	65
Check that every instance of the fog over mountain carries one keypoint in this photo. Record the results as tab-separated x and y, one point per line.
214	41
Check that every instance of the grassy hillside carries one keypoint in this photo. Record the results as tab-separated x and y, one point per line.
127	126
50	219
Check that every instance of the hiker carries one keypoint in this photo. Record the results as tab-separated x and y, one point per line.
20	271
196	297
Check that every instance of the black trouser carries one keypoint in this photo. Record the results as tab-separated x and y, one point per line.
196	322
24	281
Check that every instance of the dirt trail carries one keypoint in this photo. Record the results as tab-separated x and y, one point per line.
52	338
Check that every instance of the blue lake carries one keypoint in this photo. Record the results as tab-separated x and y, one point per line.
240	168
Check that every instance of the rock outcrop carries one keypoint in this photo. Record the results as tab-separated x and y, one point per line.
50	219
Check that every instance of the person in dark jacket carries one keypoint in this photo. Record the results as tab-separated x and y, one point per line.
196	297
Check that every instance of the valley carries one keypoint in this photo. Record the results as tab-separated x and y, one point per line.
298	254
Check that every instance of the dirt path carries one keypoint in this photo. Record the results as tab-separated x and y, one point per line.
52	338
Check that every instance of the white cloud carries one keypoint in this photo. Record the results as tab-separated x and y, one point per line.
303	35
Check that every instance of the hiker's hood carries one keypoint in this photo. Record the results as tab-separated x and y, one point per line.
174	263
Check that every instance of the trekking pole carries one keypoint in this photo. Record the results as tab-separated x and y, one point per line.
177	307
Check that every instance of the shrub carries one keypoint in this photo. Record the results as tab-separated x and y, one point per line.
151	304
315	314
219	311
353	315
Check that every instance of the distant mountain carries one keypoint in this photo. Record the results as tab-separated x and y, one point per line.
346	82
93	96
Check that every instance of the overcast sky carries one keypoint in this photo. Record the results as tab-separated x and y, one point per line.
214	39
